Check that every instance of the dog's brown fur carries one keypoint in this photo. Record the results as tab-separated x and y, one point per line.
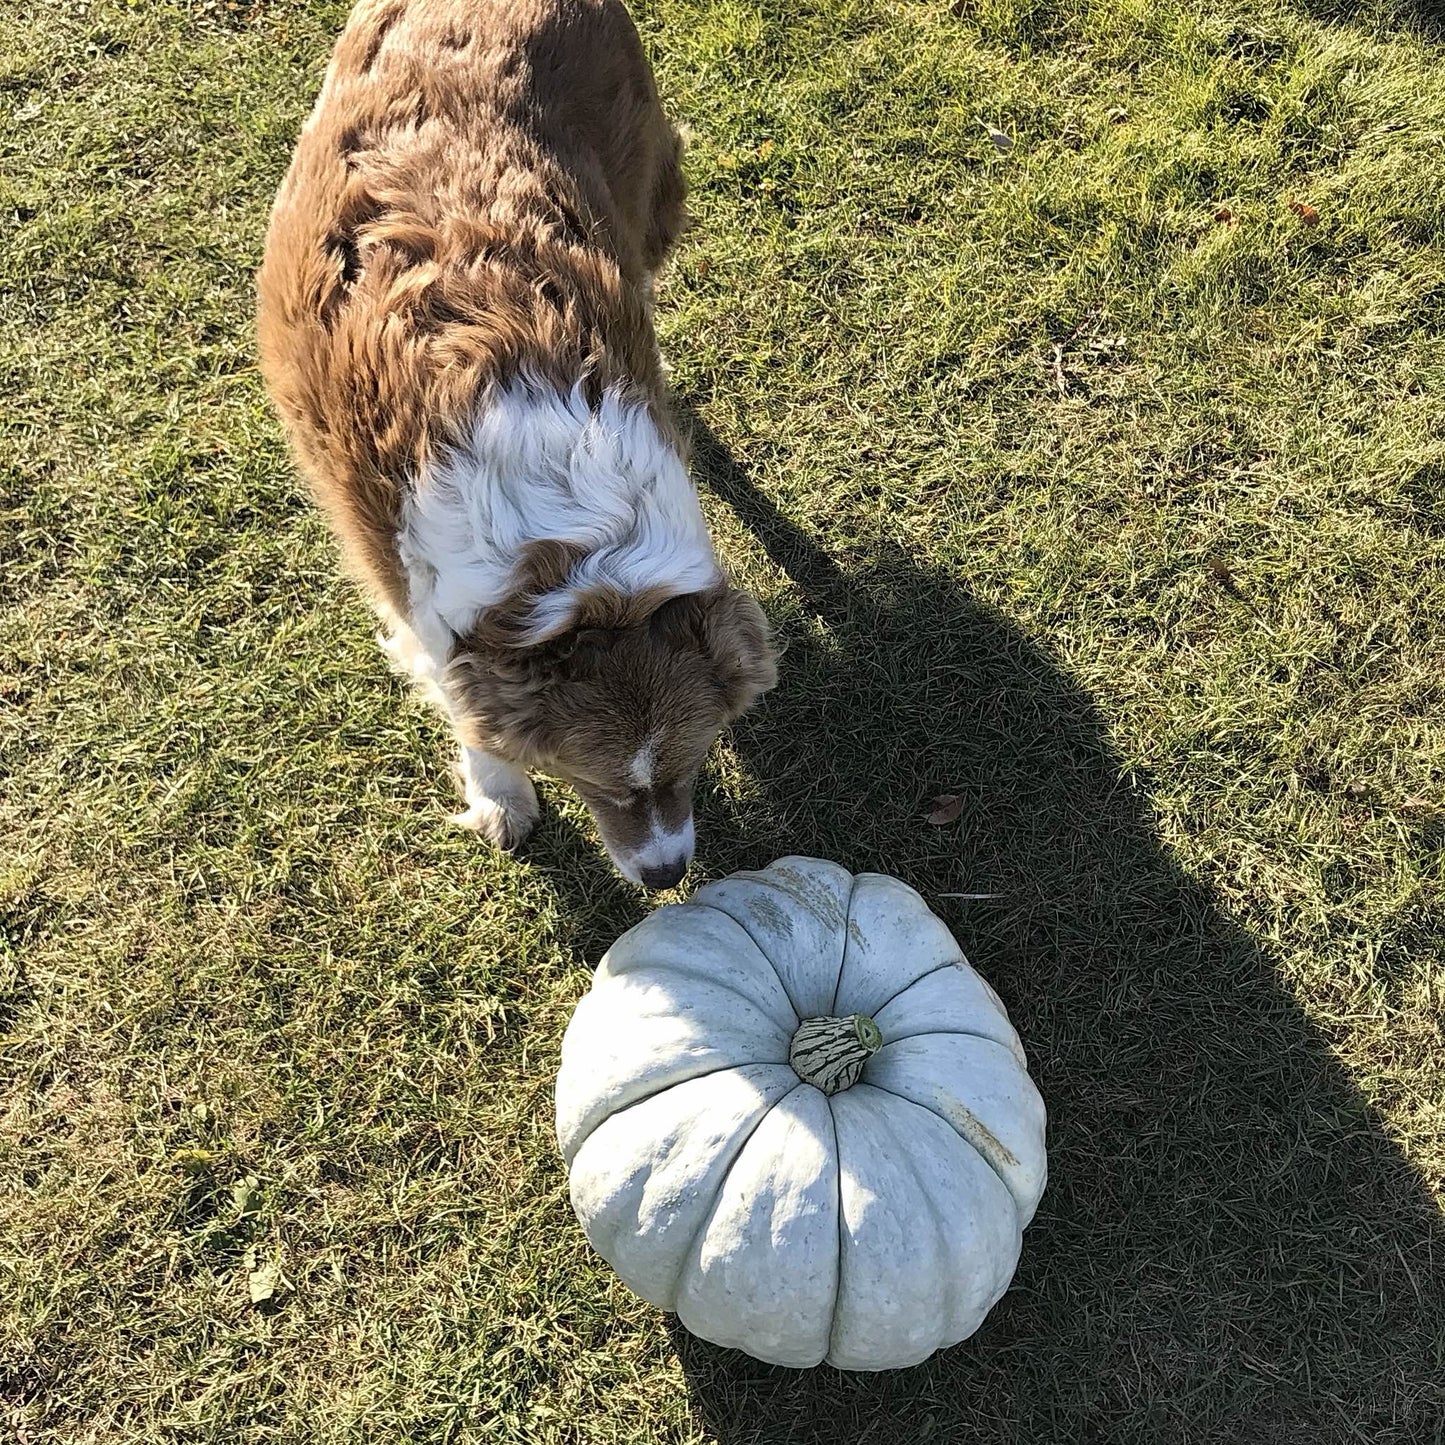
482	193
436	232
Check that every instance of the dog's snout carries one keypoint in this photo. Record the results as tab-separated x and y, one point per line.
664	875
661	860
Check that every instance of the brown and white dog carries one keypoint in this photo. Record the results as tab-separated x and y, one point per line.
455	324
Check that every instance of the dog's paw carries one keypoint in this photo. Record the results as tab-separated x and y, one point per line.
501	801
503	822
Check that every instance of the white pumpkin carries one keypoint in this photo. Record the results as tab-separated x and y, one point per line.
793	1114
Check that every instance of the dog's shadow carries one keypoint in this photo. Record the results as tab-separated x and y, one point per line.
1424	18
1229	1248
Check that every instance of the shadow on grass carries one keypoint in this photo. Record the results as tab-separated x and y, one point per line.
1229	1249
1425	18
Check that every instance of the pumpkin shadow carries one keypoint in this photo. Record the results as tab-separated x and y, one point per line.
1229	1248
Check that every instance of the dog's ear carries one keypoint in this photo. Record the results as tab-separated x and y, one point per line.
729	628
540	607
500	698
575	653
506	674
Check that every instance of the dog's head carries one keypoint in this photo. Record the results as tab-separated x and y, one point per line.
626	714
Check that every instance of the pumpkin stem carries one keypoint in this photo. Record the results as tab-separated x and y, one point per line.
830	1053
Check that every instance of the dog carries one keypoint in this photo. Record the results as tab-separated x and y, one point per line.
455	324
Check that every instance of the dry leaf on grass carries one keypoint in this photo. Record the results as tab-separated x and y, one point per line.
1001	139
945	808
1305	211
261	1279
246	1195
1219	569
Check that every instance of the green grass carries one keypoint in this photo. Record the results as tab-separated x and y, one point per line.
1123	521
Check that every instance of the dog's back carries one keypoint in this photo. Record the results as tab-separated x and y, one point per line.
481	192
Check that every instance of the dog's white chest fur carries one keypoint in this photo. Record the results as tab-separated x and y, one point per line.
538	464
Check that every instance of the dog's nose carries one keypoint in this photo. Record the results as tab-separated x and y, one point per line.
664	875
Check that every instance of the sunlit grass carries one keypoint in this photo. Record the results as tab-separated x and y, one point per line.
1085	478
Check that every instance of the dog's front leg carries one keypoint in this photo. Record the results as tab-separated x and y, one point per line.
501	801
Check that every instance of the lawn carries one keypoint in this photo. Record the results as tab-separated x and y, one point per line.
1094	472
